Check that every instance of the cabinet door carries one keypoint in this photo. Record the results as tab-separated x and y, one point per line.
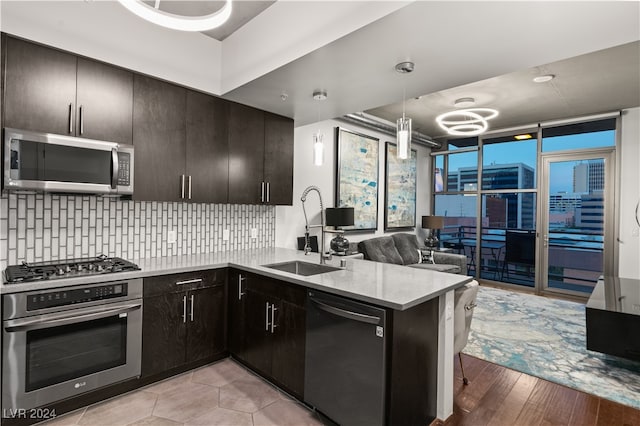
236	300
105	102
39	88
159	139
289	347
206	323
207	151
163	332
246	154
258	338
278	158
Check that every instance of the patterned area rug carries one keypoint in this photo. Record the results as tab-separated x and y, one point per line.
546	338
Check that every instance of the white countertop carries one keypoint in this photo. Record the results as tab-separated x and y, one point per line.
392	286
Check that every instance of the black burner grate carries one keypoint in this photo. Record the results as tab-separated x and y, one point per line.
28	272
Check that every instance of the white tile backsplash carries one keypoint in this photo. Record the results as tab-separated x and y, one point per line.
42	227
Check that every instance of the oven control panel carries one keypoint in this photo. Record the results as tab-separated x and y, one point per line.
63	297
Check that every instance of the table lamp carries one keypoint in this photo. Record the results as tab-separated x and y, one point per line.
339	216
432	223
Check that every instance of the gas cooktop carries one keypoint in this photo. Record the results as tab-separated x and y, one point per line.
29	272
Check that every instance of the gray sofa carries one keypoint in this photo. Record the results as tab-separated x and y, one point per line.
403	249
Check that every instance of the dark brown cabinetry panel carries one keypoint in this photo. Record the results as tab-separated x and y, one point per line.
159	139
278	158
207	151
183	320
206	323
57	92
40	88
104	102
274	330
246	154
163	333
236	300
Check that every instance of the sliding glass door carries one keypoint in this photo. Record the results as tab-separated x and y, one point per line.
576	220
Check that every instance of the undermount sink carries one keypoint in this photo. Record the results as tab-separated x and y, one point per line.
302	268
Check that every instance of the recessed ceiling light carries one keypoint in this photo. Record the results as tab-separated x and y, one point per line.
543	78
523	137
464	102
320	95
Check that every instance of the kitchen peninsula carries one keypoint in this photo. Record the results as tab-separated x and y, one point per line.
419	306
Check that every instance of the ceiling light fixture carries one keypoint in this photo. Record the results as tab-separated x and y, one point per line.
543	78
318	143
464	102
403	130
466	122
522	137
178	22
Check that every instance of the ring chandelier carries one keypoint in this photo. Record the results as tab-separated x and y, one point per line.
466	122
178	22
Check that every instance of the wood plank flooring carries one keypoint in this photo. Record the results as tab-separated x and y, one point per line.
498	396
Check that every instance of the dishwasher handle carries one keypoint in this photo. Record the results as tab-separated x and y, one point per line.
370	319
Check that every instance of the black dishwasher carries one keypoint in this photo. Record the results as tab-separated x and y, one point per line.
345	359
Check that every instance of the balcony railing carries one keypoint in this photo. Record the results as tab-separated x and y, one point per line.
508	255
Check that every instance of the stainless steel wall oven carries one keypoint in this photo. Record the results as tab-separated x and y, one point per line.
62	342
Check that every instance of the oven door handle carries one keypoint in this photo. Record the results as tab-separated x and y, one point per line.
59	320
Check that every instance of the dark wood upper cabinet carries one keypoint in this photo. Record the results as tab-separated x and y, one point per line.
246	155
51	91
261	157
278	158
39	89
159	134
207	150
105	102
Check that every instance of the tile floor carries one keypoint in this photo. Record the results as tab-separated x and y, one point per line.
224	393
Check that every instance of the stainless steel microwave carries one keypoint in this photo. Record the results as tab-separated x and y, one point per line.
55	163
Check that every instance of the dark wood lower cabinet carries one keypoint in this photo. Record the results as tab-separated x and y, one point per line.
183	320
273	328
164	333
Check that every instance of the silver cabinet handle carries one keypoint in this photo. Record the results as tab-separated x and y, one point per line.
240	292
81	121
193	281
182	186
262	192
267	317
268	191
115	165
273	317
71	118
189	186
184	308
193	296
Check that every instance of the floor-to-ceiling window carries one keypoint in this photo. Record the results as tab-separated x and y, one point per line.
511	222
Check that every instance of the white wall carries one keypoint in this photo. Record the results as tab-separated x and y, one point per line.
290	219
629	239
106	31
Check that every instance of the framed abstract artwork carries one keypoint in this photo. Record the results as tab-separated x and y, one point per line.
357	177
399	189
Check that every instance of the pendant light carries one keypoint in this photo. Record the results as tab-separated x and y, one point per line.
403	131
318	143
178	22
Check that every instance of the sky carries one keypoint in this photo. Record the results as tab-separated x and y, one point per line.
525	152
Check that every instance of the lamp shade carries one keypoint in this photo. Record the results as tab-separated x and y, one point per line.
339	216
433	222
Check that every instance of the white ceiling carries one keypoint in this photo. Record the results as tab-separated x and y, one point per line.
488	50
242	12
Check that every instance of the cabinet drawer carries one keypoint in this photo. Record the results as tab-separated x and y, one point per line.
182	282
272	287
